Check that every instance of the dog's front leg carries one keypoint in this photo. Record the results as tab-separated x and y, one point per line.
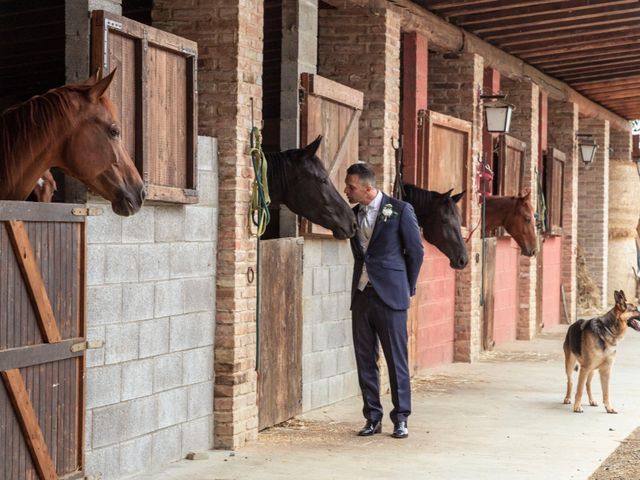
582	378
592	401
605	370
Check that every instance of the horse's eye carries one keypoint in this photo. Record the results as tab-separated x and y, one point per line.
114	131
527	219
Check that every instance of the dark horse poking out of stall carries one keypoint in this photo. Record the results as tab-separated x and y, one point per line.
74	128
516	215
297	178
440	221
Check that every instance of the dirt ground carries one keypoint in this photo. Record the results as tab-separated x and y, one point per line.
623	463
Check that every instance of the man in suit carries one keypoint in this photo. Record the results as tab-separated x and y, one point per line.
388	253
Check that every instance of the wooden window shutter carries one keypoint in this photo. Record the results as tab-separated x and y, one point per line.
511	166
554	161
332	110
155	92
444	151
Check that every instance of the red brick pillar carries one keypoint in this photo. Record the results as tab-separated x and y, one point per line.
414	86
360	48
454	89
593	205
563	125
524	126
229	36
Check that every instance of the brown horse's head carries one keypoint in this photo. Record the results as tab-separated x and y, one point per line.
521	225
298	179
94	153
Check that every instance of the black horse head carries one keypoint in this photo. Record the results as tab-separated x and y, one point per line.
440	221
298	179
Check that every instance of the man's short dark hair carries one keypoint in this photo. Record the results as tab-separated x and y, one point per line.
364	172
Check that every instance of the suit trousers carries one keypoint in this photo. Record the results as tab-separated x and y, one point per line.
372	319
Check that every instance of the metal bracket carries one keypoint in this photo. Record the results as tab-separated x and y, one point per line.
79	347
422	114
87	212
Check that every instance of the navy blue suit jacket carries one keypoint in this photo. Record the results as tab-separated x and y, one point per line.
394	255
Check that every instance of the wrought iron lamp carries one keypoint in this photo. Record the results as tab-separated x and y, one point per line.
587	146
497	113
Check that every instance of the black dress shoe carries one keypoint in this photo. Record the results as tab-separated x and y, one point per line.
371	427
400	430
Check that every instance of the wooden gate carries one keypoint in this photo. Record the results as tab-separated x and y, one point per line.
444	153
280	331
332	110
42	330
502	255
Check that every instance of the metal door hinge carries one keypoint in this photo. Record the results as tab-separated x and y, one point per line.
87	212
79	347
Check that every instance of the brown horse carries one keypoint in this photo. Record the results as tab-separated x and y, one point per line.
516	215
74	128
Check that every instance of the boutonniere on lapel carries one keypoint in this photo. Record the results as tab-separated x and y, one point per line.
387	212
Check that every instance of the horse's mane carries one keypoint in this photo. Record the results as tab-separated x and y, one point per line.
418	197
33	123
277	173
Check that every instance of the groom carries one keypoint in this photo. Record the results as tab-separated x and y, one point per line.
388	252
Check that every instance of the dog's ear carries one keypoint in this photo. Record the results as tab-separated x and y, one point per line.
621	301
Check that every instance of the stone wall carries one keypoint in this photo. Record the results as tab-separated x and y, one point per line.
151	300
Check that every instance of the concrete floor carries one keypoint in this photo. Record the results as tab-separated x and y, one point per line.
500	418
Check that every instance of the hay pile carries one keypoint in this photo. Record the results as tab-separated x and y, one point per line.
588	291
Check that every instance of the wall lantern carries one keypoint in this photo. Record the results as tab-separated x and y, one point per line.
587	146
497	113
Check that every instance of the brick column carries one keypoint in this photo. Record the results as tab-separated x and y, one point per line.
360	48
229	36
454	89
524	126
563	125
593	205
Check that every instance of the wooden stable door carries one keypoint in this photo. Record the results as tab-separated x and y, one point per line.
280	331
444	154
332	110
42	330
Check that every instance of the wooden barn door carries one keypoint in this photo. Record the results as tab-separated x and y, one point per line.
501	307
444	153
331	110
280	331
42	330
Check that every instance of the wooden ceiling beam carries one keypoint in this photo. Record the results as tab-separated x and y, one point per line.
582	56
594	66
614	96
628	82
581	36
575	46
445	37
606	23
575	10
611	90
624	73
465	8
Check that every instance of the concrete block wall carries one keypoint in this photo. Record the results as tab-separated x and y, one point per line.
454	86
328	362
525	96
230	42
593	205
151	300
563	125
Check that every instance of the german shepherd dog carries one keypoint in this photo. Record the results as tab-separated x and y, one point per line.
592	343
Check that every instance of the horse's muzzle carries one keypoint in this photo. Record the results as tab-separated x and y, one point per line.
129	204
459	262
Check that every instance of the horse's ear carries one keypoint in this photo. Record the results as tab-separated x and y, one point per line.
525	195
456	198
93	79
311	149
97	90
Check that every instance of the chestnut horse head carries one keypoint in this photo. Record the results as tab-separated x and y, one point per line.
440	220
298	179
517	217
76	129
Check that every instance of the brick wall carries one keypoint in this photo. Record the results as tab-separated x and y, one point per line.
229	36
360	48
563	125
151	299
593	205
525	96
454	86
